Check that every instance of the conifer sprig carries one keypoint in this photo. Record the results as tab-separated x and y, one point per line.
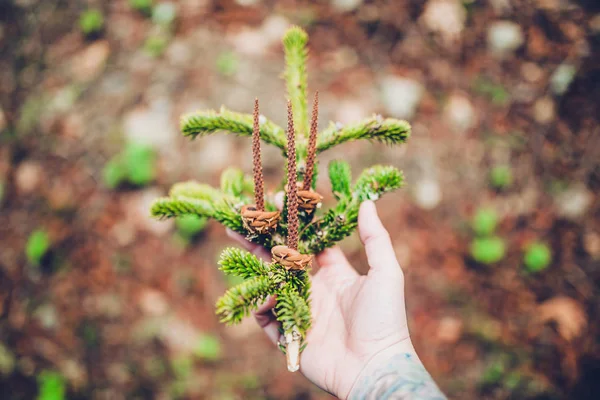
292	188
238	301
203	123
259	195
389	130
294	45
340	177
242	263
168	207
292	311
312	145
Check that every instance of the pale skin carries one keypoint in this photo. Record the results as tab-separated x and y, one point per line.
359	321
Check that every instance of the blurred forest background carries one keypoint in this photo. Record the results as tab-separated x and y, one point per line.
497	229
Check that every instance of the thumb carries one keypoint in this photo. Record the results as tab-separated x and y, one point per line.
376	239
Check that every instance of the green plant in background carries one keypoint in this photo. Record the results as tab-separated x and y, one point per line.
538	257
190	225
91	21
208	347
143	6
135	165
300	229
496	93
51	386
227	63
164	14
485	221
37	246
501	177
488	250
156	44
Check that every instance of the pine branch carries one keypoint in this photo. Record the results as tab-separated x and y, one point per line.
167	207
377	180
340	177
203	123
238	262
292	310
228	215
232	182
389	130
337	224
195	190
294	44
238	301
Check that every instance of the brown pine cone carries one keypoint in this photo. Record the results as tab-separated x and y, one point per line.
290	258
309	200
259	222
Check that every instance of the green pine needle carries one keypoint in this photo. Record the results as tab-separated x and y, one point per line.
238	301
232	182
377	180
203	123
195	190
389	130
296	53
242	263
292	310
167	207
340	176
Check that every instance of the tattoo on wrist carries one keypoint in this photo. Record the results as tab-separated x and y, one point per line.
402	377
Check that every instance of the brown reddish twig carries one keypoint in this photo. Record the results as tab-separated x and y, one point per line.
257	163
312	145
292	188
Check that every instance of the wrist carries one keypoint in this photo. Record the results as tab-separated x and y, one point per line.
396	373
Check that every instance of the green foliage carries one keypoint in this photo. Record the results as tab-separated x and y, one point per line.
135	165
208	347
340	177
91	21
242	263
292	310
51	386
156	45
494	373
377	180
168	207
238	301
389	130
195	190
227	63
485	221
538	257
501	177
143	6
488	250
206	122
232	182
37	246
190	225
294	45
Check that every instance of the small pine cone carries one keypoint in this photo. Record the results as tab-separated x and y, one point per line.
291	259
259	222
309	200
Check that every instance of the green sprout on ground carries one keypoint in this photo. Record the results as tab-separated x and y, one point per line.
52	386
537	257
227	63
501	177
496	93
208	347
156	44
143	6
486	248
37	247
136	165
91	22
485	221
301	228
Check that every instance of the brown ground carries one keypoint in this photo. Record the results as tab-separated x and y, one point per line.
120	300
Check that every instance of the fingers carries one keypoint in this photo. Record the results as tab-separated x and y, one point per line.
266	320
279	199
253	248
333	262
376	239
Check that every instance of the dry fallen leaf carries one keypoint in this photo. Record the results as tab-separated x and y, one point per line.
568	314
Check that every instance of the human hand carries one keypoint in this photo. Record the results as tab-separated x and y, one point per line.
358	321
